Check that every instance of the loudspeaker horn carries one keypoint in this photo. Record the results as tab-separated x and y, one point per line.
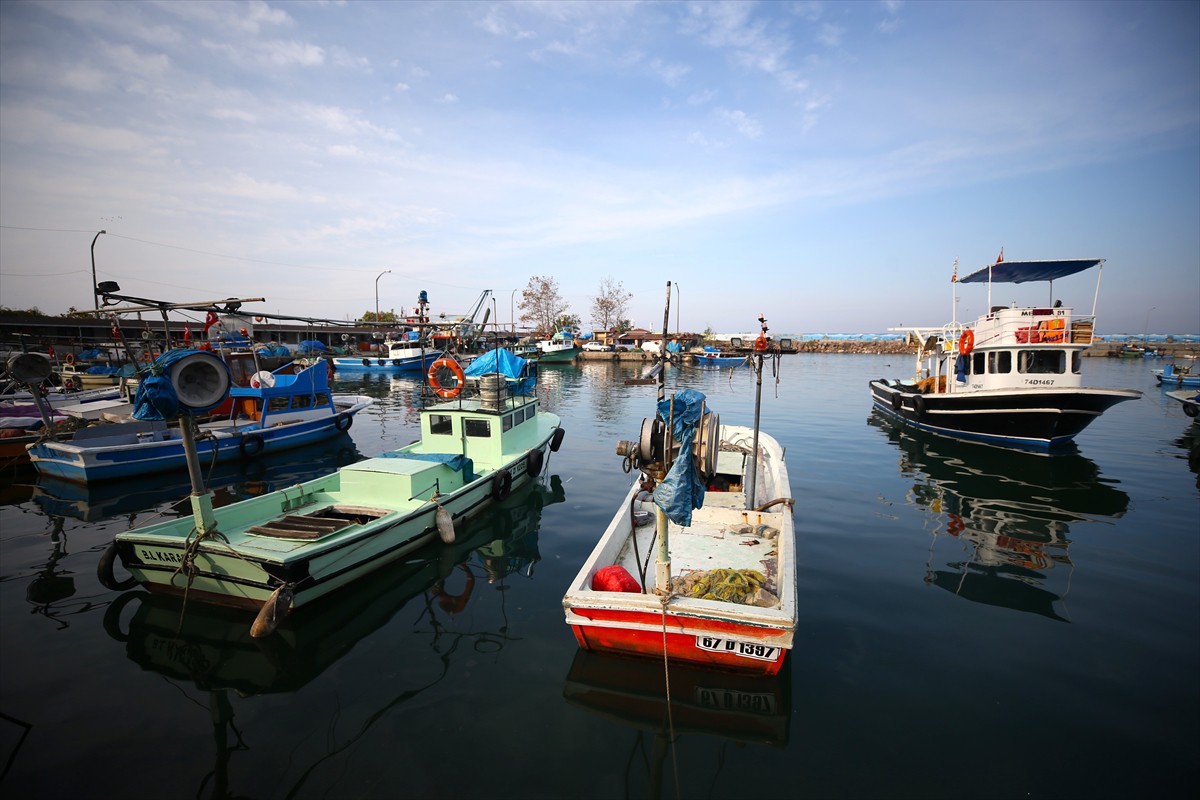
201	381
30	368
262	378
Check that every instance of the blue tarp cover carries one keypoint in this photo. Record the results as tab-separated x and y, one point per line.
156	398
498	360
674	347
458	463
682	490
1024	271
98	370
309	346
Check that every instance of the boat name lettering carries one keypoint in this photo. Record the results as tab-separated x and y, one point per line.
160	556
714	644
1036	382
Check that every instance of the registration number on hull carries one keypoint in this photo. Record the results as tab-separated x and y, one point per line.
714	644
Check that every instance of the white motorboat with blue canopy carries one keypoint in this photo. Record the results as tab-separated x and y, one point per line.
1013	376
479	437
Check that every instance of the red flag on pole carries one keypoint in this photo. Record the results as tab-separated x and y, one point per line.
187	335
954	277
1000	257
209	321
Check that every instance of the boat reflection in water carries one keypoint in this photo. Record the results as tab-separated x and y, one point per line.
230	482
211	648
1007	512
738	708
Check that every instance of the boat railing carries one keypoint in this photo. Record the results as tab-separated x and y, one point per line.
1007	327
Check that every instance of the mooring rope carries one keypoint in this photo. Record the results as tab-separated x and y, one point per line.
665	599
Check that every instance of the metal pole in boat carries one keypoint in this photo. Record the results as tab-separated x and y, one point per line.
202	510
662	564
753	473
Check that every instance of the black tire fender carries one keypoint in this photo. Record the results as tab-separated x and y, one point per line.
251	445
501	485
556	439
919	405
344	421
104	571
534	462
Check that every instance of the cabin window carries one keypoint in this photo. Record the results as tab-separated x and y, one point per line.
1076	362
506	422
440	423
1000	363
478	428
277	404
302	401
322	399
977	363
1041	362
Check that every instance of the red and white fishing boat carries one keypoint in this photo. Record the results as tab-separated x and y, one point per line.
698	564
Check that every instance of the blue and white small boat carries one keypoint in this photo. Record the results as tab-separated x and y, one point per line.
712	357
1175	375
1190	399
275	411
403	355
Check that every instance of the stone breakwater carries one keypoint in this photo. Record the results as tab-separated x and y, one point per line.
1166	350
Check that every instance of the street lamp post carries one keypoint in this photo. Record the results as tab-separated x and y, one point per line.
95	286
677	304
512	318
1146	329
377	277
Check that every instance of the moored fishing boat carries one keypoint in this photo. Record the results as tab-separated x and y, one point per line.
1011	377
285	549
1176	375
1190	400
713	357
707	530
275	411
559	348
407	351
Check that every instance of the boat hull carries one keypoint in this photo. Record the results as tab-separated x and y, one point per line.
710	633
558	356
81	463
1040	419
246	570
416	363
721	361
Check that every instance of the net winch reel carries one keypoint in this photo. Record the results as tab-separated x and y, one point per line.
655	450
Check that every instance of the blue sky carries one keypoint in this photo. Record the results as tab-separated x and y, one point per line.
820	163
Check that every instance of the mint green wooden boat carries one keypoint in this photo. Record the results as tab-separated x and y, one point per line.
293	546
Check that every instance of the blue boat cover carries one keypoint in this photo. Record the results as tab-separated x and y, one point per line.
1024	271
674	347
498	360
99	370
156	398
310	346
682	490
458	463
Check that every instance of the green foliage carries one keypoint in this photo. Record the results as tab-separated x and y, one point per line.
384	316
21	312
541	304
567	322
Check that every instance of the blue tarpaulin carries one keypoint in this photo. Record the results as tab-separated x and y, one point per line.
458	463
682	490
311	346
510	366
156	398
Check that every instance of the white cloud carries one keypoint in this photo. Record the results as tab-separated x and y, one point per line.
446	99
744	124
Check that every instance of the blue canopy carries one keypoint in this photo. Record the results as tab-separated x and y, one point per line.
1024	271
498	360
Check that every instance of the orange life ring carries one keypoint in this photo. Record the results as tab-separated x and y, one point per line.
966	342
70	359
441	391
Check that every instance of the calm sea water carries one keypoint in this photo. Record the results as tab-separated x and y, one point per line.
973	623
